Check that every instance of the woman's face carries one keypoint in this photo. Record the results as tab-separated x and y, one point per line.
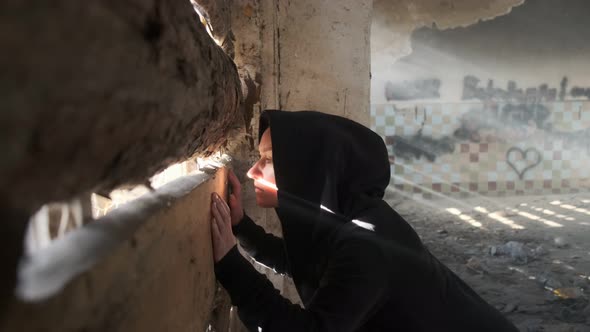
263	174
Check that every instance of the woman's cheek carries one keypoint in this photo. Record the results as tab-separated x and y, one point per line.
269	174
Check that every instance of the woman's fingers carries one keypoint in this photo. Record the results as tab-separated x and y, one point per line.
218	209
215	210
222	208
222	237
215	233
235	182
232	201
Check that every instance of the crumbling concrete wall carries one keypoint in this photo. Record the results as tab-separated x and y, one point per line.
467	103
524	49
101	94
147	266
394	21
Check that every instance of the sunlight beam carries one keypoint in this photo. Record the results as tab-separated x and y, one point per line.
468	219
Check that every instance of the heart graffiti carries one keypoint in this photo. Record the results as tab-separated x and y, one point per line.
524	154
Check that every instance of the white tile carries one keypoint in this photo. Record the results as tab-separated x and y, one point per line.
389	110
511	176
547	175
380	120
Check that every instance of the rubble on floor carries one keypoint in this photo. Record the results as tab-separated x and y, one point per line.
529	256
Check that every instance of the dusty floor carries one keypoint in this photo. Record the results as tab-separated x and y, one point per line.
541	280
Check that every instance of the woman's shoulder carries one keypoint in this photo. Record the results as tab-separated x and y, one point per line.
359	240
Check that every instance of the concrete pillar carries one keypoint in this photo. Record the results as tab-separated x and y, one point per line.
316	56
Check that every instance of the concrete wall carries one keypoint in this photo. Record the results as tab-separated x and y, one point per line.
317	56
539	42
459	149
394	21
485	108
99	95
146	266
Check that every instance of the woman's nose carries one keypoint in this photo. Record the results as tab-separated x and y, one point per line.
253	172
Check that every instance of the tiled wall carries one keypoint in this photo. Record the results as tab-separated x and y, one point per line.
477	138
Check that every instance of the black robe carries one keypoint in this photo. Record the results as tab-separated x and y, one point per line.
357	264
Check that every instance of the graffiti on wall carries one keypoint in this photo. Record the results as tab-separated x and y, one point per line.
418	146
490	123
430	89
516	122
472	90
521	161
580	92
512	93
507	123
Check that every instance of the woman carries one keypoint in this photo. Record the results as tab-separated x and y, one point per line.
356	264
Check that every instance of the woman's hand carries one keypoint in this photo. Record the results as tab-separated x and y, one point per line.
221	234
235	199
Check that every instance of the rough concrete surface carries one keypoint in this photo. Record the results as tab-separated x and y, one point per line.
537	275
394	21
106	93
155	272
317	56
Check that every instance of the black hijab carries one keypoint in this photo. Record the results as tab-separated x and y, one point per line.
322	162
326	159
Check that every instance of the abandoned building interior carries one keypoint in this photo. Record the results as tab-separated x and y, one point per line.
120	118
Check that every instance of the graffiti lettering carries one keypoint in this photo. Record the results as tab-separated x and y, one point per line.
580	92
416	146
471	90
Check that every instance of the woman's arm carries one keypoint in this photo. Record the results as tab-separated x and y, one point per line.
351	290
265	248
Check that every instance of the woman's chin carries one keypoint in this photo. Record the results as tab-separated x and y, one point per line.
263	202
263	205
260	201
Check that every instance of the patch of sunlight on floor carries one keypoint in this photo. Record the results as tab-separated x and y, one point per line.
506	221
537	218
464	217
481	209
571	208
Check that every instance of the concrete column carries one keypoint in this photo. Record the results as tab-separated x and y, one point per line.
316	56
